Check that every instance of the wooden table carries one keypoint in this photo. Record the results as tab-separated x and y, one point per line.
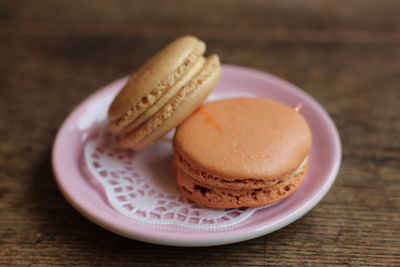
346	54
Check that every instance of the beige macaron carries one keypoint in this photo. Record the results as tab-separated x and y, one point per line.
163	92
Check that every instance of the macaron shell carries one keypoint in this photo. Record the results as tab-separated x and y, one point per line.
167	96
223	198
244	138
151	75
182	105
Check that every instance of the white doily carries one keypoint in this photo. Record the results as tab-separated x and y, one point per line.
141	186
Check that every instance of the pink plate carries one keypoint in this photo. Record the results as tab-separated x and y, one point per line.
236	81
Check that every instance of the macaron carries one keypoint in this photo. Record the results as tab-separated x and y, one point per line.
163	92
243	152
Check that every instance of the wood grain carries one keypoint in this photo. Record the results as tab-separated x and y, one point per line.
344	53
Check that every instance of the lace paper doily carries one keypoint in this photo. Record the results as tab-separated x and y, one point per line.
142	186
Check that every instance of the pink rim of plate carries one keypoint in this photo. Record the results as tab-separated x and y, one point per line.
325	160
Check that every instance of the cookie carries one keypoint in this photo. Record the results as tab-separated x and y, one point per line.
163	92
241	152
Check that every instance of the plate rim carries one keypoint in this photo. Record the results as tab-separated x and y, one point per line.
187	239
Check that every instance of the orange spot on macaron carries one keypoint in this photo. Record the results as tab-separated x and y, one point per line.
210	120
